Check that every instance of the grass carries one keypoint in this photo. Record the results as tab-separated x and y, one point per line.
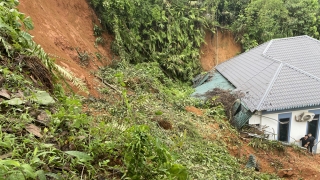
141	130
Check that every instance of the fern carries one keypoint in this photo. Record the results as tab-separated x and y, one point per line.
71	77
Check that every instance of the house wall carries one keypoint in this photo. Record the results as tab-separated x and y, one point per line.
270	124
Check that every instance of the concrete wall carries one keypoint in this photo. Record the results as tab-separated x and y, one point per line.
269	122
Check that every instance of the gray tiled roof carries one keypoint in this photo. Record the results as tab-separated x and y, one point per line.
279	74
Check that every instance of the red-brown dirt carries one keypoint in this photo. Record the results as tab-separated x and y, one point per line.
302	165
218	47
194	110
61	26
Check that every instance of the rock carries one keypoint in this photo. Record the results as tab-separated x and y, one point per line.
290	173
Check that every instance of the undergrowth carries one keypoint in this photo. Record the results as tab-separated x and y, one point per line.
124	139
154	98
141	131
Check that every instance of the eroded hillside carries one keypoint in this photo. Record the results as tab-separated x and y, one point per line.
62	27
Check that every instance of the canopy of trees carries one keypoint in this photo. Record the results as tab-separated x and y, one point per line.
170	31
258	21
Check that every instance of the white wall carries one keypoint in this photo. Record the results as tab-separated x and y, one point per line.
270	122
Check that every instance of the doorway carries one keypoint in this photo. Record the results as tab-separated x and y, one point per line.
313	126
283	134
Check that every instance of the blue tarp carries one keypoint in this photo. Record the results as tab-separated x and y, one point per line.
217	81
241	114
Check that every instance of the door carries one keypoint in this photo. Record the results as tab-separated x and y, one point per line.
283	134
312	128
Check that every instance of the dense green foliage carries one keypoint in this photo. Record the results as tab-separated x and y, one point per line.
168	32
259	21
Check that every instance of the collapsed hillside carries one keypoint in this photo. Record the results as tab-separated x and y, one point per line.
64	28
184	134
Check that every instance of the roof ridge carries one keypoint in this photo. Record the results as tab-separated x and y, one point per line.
270	85
291	66
267	48
311	38
302	71
287	64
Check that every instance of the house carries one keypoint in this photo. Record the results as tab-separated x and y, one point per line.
280	82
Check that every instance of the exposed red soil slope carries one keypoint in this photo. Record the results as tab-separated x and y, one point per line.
218	47
61	26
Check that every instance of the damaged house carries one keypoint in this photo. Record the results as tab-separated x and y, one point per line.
280	82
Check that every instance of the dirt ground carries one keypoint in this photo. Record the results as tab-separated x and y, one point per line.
218	47
301	165
61	26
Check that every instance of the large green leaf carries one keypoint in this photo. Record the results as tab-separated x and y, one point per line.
81	155
10	162
14	101
42	97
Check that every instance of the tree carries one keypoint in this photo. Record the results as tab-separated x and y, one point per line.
303	17
261	21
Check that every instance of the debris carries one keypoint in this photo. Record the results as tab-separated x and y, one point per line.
253	163
35	130
285	173
2	80
39	71
201	79
43	118
5	93
227	98
102	80
19	94
4	156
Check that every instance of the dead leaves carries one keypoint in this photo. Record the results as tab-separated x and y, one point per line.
5	93
35	130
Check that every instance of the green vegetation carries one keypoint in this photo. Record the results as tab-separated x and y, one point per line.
142	130
142	94
267	145
167	32
170	31
255	22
